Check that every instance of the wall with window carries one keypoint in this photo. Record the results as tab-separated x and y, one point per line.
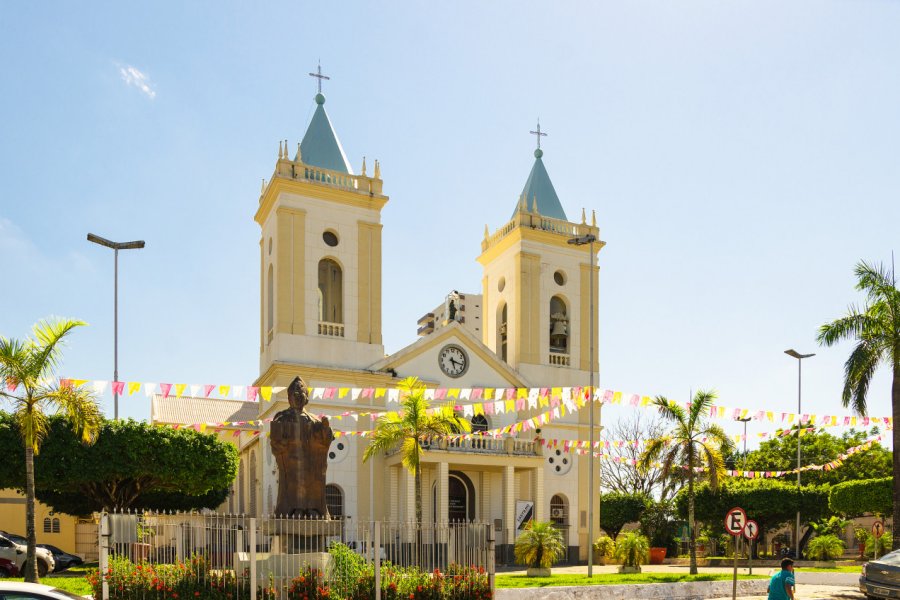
12	519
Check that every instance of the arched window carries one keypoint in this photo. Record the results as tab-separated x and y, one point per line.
502	333
253	486
47	525
270	299
479	423
559	326
331	291
334	500
559	510
55	525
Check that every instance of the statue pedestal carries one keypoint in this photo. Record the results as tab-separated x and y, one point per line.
281	568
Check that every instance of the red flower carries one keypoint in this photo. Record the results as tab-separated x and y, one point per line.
196	594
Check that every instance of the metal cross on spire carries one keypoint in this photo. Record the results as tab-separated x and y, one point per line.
318	75
539	134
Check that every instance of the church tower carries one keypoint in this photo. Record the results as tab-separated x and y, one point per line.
320	255
536	286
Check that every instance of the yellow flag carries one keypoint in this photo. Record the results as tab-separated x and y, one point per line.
179	389
479	409
379	392
510	405
79	382
770	416
453	393
266	393
488	393
543	401
133	386
224	390
522	393
617	398
645	401
202	427
342	392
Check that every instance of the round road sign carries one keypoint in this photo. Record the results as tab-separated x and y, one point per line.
878	528
735	520
751	530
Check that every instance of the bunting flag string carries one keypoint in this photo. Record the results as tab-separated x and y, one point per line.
470	401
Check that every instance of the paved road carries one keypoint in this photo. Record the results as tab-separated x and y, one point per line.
818	592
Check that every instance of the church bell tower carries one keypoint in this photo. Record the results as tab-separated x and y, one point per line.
320	254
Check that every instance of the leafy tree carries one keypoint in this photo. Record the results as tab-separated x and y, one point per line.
820	447
658	524
856	498
621	473
770	502
618	509
131	465
409	428
30	364
876	331
693	443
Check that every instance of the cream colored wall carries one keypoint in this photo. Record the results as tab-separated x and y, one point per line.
12	519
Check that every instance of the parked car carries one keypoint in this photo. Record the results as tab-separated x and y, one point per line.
15	548
8	568
63	560
881	578
34	591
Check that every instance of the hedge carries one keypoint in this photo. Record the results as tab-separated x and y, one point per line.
855	498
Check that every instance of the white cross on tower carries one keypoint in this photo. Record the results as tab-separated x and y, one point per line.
318	75
538	134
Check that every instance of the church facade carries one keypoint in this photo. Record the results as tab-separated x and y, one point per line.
320	276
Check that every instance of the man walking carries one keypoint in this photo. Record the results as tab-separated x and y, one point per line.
781	586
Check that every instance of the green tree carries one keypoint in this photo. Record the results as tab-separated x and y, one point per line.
409	428
818	448
618	509
876	332
131	465
856	498
539	545
692	444
30	364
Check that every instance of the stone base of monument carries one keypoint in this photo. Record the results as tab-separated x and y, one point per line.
300	536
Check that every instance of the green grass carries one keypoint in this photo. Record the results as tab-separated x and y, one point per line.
841	569
522	581
71	580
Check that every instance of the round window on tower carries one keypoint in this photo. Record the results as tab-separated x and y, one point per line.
330	238
501	284
560	278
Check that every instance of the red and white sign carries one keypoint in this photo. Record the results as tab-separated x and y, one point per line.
735	520
751	530
878	528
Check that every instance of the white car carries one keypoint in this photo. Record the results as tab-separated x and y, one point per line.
34	591
14	548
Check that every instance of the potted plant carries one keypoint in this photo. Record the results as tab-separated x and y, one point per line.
861	534
538	547
140	550
604	548
632	549
658	525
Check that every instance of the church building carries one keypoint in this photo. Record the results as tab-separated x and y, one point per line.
529	325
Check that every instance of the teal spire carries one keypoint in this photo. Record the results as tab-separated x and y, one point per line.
320	146
539	188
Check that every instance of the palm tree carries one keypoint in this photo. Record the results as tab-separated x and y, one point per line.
692	444
876	331
409	428
28	366
539	546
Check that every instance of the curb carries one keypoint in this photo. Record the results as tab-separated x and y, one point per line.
637	591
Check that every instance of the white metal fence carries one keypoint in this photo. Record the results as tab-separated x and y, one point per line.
236	557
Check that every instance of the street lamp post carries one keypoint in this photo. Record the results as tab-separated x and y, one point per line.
116	246
744	420
589	239
793	353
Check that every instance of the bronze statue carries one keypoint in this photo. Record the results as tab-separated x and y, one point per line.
300	443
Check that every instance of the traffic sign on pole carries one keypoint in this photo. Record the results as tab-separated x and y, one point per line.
878	528
735	520
751	530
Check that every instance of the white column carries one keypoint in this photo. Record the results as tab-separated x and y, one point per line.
537	493
442	492
394	475
509	503
410	495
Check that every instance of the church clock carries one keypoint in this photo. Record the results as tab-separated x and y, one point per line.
453	360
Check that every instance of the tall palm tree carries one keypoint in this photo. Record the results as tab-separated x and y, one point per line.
876	331
27	367
409	428
692	443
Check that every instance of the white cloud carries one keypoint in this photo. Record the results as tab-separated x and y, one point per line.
133	76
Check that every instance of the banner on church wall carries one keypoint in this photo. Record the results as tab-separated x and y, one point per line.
524	513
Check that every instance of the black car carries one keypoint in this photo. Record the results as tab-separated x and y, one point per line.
881	578
64	560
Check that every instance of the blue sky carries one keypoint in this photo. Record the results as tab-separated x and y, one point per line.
741	157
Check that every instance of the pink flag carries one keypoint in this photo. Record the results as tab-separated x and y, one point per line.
252	391
476	394
164	388
118	387
207	389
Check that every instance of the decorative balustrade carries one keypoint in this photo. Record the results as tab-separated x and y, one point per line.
331	329
481	445
336	179
559	360
538	222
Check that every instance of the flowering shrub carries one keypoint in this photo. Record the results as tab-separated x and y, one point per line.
349	579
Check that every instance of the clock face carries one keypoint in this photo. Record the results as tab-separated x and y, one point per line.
453	360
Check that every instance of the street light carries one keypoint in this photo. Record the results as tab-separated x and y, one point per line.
744	421
116	246
589	239
794	354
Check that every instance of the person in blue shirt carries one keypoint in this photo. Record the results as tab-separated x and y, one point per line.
781	586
